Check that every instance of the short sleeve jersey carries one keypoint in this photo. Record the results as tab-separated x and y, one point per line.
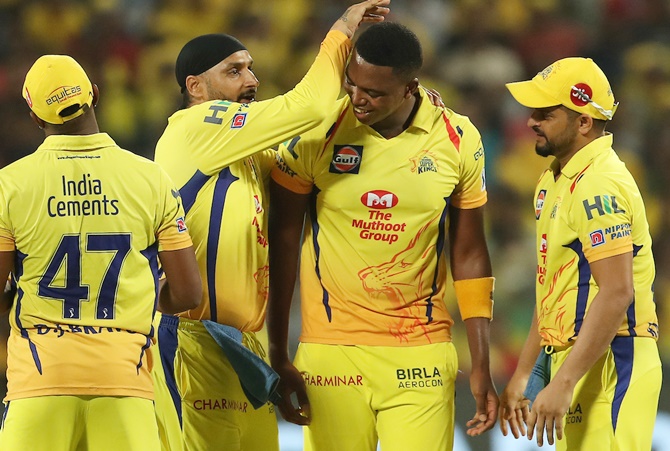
86	220
373	269
216	152
592	211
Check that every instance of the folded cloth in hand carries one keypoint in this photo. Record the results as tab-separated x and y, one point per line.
259	381
539	376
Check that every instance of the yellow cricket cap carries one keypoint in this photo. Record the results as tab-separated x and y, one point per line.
54	83
576	83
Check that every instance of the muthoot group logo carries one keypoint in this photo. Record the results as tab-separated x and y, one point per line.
63	93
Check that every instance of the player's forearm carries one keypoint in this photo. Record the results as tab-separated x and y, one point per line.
478	332
529	351
286	215
321	86
599	328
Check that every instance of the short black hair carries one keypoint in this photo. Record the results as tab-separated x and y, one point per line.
393	45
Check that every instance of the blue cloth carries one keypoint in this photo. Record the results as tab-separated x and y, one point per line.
259	381
539	376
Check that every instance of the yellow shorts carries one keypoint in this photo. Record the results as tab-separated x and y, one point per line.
200	403
64	423
401	396
614	405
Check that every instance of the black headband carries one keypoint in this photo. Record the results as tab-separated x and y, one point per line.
203	53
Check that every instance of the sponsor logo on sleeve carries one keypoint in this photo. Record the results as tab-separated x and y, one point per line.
181	225
539	202
238	120
603	205
618	231
346	159
597	238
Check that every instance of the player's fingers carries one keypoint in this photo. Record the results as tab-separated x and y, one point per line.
521	415
532	419
559	429
539	430
504	426
513	426
549	427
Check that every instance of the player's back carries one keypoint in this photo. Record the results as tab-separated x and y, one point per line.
84	215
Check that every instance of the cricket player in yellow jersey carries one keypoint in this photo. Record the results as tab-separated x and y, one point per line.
390	182
595	312
83	226
216	150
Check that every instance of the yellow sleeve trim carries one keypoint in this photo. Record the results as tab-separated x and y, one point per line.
475	297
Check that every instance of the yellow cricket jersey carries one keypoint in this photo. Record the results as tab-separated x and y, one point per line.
594	210
216	152
373	269
86	219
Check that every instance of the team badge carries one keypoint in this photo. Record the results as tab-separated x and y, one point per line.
346	159
597	238
181	225
539	202
424	162
238	120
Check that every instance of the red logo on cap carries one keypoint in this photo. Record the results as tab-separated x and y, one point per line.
581	94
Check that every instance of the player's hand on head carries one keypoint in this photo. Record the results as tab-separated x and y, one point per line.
368	11
291	384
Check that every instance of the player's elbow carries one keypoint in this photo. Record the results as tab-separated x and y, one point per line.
620	294
180	296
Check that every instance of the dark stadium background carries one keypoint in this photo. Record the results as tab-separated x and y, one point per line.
472	47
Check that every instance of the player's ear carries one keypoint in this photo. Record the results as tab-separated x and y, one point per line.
40	123
585	123
96	95
194	86
411	87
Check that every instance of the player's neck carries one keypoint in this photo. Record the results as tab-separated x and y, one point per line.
399	121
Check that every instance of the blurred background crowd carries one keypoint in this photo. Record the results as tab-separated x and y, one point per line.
472	47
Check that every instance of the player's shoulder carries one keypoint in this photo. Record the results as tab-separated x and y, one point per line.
455	124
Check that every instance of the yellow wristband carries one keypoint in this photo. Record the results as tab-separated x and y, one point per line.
475	297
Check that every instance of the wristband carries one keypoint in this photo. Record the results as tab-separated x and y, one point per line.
475	297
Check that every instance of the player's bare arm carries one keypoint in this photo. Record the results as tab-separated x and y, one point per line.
614	277
286	215
6	266
470	260
514	406
183	288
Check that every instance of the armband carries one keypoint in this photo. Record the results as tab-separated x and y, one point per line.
475	297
